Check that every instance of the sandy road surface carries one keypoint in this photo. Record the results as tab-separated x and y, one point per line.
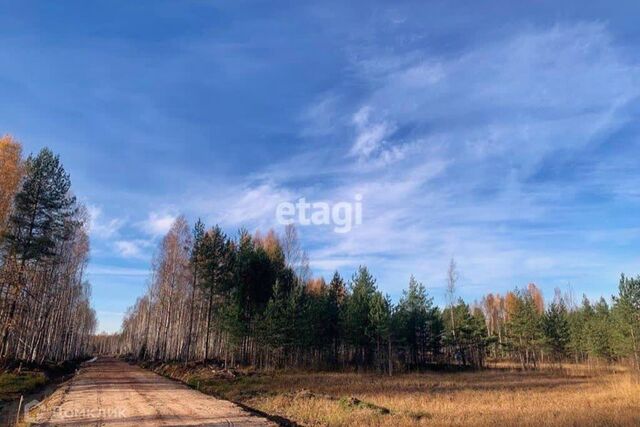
113	393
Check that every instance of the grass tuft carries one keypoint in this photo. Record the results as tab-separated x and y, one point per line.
353	402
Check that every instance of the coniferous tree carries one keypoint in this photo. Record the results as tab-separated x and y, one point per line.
469	343
334	306
277	328
196	260
417	324
579	319
557	332
525	331
41	209
44	299
627	315
380	329
599	327
357	320
216	275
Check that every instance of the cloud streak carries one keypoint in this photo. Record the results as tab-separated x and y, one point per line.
101	228
157	223
462	156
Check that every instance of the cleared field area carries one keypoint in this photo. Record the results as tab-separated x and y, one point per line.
575	396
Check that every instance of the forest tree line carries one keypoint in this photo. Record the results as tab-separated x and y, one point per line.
251	300
45	314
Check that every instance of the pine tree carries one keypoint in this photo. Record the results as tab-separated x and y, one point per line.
42	208
357	321
578	326
415	323
524	328
278	326
42	217
627	314
557	333
380	327
196	260
44	299
469	343
599	326
335	304
216	274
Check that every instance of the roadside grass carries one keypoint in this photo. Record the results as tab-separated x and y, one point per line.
33	381
238	389
13	385
573	396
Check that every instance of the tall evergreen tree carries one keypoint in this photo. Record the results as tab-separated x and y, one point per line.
42	217
417	323
579	319
525	329
44	299
469	343
196	260
216	274
557	332
335	305
42	208
380	329
599	327
357	320
627	314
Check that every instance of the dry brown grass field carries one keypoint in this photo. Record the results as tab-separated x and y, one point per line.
574	396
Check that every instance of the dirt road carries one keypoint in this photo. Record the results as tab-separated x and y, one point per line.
113	393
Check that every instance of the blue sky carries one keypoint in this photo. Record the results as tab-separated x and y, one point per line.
504	134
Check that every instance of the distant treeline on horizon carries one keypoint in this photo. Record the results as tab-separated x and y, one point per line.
252	301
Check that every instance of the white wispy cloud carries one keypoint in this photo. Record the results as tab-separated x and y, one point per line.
446	152
110	270
101	227
137	248
370	135
321	118
157	223
250	204
448	149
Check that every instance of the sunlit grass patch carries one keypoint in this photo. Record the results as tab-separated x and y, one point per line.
573	395
12	384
